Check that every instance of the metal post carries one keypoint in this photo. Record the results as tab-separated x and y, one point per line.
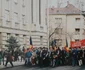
47	10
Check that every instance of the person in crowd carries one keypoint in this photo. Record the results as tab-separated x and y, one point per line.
54	57
44	56
80	56
33	58
22	56
37	56
83	56
70	56
3	55
58	51
74	56
41	58
0	57
9	58
28	57
16	54
49	55
63	56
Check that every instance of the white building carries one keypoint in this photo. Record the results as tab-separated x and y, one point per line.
22	19
68	22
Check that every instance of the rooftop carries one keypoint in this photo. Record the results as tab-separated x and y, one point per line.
69	9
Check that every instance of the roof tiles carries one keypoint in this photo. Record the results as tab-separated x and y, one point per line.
69	9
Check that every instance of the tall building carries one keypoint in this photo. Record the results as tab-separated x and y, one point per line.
22	19
68	23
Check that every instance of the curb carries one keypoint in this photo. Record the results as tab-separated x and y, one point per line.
11	67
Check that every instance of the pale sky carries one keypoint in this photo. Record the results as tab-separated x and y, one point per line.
64	3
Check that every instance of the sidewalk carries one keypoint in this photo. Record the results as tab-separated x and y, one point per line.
17	63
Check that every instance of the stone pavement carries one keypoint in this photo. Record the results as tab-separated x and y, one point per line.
17	63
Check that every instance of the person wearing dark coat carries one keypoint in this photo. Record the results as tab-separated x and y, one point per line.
54	57
40	57
63	55
44	56
9	59
79	56
83	56
74	56
0	57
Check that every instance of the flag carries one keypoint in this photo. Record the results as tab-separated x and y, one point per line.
31	44
66	46
66	43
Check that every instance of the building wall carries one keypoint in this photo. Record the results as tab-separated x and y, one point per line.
68	23
20	18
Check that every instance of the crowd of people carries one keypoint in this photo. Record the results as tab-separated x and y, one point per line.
43	57
55	56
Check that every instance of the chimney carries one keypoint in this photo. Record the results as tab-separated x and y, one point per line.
67	2
52	7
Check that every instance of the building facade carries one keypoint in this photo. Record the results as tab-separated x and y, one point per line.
68	23
22	19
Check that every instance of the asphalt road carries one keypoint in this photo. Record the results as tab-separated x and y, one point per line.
47	68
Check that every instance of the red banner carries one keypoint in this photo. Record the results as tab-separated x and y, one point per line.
77	44
82	42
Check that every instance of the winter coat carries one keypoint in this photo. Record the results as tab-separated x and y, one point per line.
9	57
28	54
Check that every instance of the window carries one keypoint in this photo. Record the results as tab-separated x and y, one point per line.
77	31
16	25
8	35
59	42
58	20
24	39
7	14
24	24
83	31
77	19
16	1
58	30
16	17
23	6
23	3
41	40
7	4
17	36
84	21
0	22
23	19
46	21
8	23
76	40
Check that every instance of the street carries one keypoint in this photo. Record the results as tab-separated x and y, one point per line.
47	68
